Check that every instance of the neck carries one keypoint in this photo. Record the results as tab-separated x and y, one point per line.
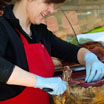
20	12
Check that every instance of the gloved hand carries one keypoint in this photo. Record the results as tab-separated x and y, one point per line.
94	67
55	83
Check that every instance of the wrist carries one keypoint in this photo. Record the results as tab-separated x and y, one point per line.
39	81
90	56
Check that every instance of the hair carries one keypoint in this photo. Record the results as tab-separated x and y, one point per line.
3	3
55	1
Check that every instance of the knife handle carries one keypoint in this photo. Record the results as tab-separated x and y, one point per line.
47	89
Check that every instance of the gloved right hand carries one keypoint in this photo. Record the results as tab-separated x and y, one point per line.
94	67
55	83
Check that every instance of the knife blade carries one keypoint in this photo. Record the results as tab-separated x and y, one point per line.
78	69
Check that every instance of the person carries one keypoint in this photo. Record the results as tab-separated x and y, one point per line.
26	47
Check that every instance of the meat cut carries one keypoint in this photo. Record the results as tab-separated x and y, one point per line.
78	91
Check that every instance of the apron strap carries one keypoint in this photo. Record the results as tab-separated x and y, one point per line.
22	38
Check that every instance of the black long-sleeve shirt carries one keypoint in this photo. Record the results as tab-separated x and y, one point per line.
12	52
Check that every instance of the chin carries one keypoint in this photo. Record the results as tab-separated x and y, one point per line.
37	21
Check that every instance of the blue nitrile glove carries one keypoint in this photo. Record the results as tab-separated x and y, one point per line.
55	83
94	67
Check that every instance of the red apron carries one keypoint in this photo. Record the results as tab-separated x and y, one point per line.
39	63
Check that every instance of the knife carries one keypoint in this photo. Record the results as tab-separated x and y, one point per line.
47	89
78	69
73	70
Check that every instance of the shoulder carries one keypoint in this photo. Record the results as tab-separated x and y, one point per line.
3	28
3	22
2	19
3	37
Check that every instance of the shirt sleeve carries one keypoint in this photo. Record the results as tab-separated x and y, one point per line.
62	49
6	67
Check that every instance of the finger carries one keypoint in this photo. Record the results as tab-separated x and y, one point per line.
97	75
55	91
92	74
59	89
63	88
87	72
102	73
58	92
65	83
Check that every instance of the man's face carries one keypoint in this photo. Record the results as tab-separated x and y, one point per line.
37	10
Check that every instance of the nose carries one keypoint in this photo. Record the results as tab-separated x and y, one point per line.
51	8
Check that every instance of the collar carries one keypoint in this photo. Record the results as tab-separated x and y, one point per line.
9	16
14	22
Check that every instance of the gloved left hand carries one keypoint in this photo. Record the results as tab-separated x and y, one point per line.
55	83
94	67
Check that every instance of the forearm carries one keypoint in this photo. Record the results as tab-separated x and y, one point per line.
22	78
81	54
